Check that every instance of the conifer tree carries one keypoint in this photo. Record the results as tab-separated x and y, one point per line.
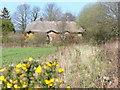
7	26
5	14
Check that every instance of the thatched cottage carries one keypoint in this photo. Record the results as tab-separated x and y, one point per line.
55	29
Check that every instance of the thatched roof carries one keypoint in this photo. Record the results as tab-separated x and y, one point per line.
58	26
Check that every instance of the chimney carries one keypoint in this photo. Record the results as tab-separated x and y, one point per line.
41	18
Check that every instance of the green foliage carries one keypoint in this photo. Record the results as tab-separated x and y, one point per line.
5	14
7	26
95	20
31	74
37	39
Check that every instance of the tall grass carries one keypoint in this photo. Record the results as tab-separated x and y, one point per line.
85	66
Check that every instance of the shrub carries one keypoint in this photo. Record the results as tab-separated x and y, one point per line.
67	41
99	26
7	26
5	39
37	39
41	39
13	40
31	74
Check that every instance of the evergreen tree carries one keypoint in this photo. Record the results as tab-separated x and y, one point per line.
7	26
5	14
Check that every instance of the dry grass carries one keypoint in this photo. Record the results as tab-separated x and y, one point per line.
85	66
110	52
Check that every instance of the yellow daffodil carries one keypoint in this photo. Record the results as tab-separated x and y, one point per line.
47	82
17	70
52	80
68	87
16	86
56	65
31	36
45	67
24	65
23	75
27	34
24	84
15	81
50	84
24	68
61	81
2	78
5	80
9	85
1	70
30	59
38	69
60	70
19	65
48	64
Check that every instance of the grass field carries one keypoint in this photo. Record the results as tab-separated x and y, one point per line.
85	66
14	55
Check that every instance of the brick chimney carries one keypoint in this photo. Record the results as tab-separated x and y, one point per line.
41	18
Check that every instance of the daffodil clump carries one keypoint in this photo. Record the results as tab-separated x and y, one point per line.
31	74
30	36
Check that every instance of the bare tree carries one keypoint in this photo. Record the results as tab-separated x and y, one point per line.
68	17
113	14
35	13
62	26
52	12
112	9
21	17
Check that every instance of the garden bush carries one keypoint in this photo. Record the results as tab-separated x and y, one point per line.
13	40
67	41
31	74
37	39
